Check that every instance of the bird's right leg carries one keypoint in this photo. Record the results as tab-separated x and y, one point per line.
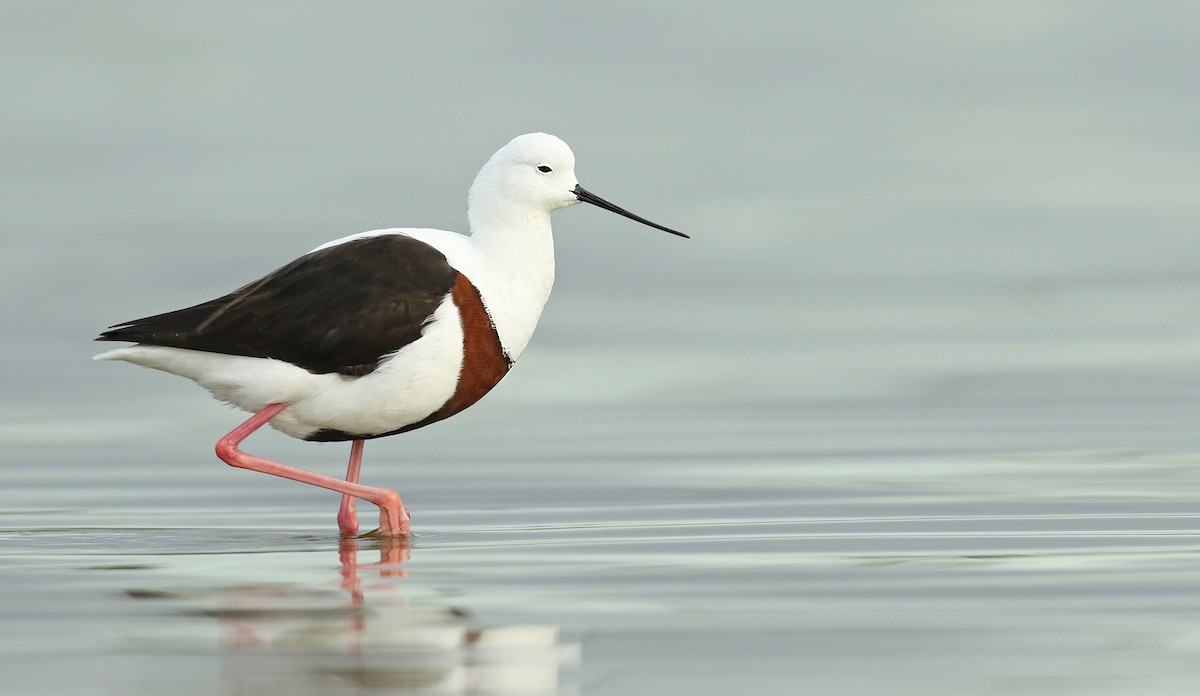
393	518
347	518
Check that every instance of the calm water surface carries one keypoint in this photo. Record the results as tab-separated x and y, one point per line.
914	412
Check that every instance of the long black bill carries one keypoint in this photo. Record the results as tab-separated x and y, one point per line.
589	197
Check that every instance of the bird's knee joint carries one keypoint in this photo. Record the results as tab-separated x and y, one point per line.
227	451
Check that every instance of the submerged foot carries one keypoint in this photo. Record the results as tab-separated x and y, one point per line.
393	517
347	518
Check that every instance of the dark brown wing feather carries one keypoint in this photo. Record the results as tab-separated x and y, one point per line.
339	309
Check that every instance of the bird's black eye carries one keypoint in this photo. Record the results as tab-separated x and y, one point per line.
544	169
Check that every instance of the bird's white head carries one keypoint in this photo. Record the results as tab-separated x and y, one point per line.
527	179
532	174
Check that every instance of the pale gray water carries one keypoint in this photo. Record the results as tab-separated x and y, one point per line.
915	412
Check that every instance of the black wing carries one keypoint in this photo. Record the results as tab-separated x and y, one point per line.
339	309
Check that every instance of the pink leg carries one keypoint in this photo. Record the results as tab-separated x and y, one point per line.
347	519
393	518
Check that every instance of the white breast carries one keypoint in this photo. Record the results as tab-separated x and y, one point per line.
514	294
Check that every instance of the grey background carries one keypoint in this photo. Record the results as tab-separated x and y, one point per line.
914	411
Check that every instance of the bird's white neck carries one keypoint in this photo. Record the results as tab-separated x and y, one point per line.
515	262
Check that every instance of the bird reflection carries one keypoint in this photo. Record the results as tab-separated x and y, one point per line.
392	552
368	633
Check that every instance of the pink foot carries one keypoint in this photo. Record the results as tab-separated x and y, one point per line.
393	517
